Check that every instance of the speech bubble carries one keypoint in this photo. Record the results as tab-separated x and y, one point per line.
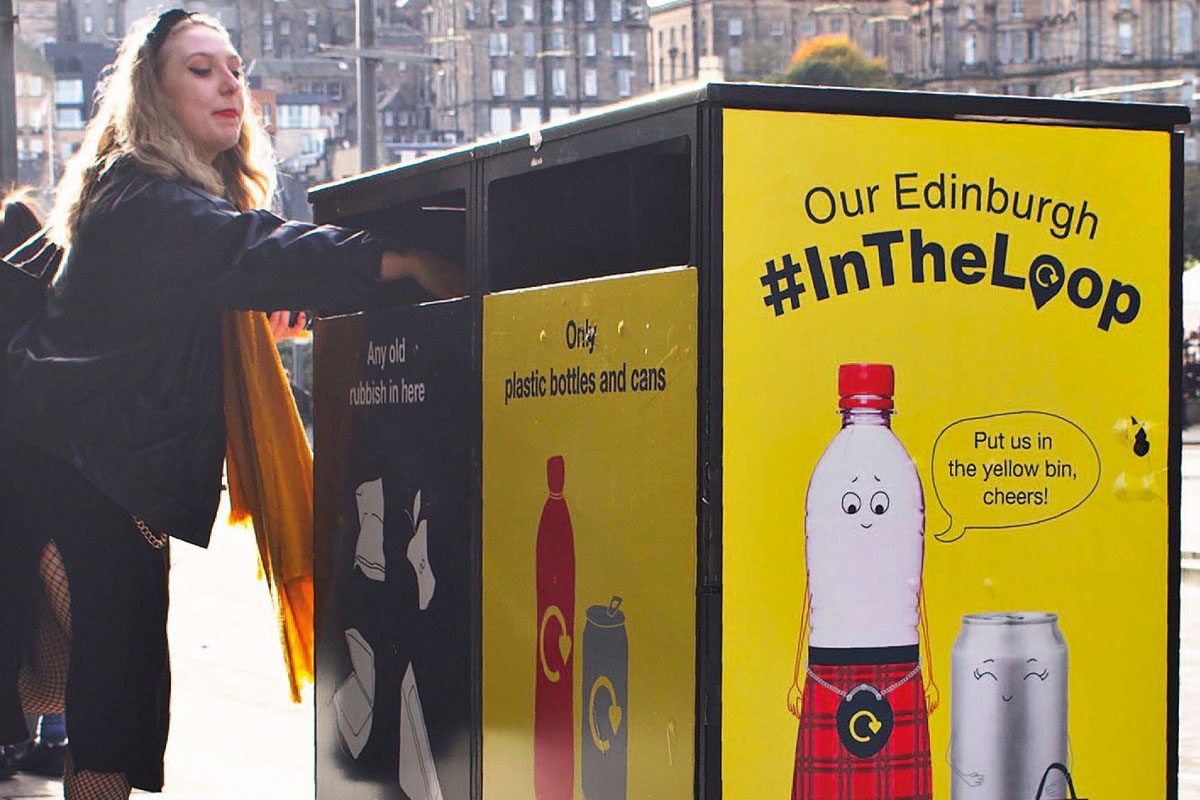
1010	470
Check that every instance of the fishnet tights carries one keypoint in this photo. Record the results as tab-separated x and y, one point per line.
42	683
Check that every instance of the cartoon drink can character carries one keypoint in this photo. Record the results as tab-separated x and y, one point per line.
553	720
1008	706
858	685
604	716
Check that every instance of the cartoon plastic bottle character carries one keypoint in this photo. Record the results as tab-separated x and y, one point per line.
859	686
1008	707
553	717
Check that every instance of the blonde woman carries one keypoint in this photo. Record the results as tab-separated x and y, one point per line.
112	427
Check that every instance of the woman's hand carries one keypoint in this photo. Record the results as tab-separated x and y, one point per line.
435	274
280	329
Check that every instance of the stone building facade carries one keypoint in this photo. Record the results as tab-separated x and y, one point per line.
512	64
1056	47
753	39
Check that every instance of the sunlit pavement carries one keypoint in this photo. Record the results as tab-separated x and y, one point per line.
235	734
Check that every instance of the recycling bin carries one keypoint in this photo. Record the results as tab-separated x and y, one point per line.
788	442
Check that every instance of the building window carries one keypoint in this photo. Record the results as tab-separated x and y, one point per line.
268	40
501	120
312	41
35	85
266	115
1033	45
556	10
498	78
529	44
335	90
969	12
530	82
558	42
69	119
735	27
969	49
589	44
836	25
1184	20
68	91
531	116
1125	38
527	10
1005	47
502	12
624	82
498	44
808	28
1018	8
285	27
300	116
1125	5
735	60
310	18
559	76
617	10
778	28
110	25
589	10
621	44
591	83
88	24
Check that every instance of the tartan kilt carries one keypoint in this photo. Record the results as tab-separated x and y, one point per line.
825	770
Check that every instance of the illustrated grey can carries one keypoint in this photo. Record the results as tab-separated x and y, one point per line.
604	762
1008	706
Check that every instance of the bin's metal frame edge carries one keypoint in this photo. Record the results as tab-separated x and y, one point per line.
476	215
900	103
1174	465
709	640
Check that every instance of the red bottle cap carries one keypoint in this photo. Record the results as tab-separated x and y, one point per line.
556	474
866	385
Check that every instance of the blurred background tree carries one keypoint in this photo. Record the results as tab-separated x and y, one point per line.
835	61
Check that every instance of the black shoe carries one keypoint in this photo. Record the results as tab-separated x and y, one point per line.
8	765
49	760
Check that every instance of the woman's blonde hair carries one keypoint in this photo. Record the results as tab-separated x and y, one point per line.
133	118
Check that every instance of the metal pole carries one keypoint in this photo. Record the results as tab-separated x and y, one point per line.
8	98
368	135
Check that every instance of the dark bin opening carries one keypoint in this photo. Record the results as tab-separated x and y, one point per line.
437	223
608	215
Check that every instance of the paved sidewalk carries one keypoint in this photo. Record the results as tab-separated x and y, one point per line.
235	734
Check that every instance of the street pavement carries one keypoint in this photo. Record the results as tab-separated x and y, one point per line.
236	735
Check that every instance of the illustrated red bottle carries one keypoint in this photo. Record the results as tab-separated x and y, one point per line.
553	718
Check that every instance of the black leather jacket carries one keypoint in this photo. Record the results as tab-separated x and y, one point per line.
120	373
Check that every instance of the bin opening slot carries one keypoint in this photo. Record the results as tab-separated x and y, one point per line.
437	223
617	213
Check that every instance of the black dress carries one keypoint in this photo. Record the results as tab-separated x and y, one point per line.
111	407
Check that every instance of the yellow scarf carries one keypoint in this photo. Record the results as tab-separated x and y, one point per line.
270	471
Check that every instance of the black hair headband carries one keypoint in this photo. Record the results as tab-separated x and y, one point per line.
162	28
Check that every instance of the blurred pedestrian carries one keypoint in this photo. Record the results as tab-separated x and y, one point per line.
20	220
115	396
